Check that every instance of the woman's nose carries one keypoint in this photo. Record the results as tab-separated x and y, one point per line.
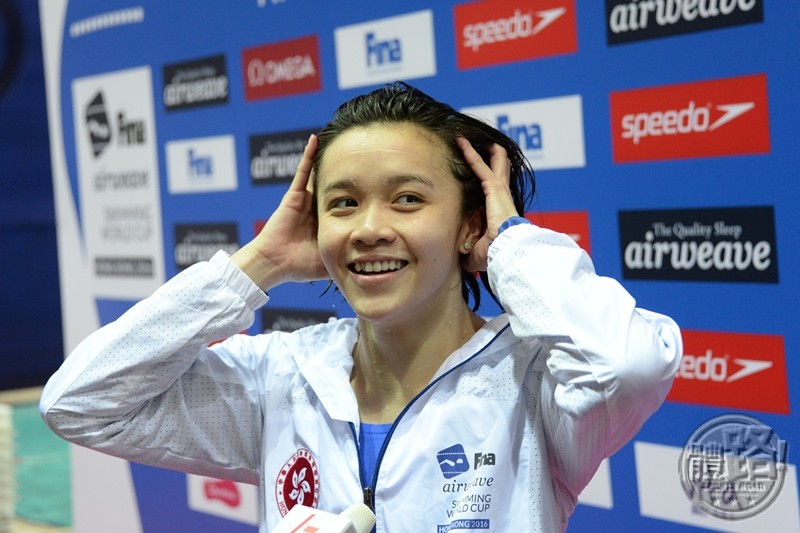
372	226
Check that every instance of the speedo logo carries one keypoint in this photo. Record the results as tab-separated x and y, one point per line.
690	119
709	367
488	33
719	117
733	371
518	26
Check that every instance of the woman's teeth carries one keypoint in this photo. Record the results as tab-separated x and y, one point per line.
378	266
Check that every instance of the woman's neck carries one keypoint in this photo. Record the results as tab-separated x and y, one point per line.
393	362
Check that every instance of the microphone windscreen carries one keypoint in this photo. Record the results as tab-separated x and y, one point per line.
361	516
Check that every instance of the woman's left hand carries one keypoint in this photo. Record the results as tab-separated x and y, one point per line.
499	204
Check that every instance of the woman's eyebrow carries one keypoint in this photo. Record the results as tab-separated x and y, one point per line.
409	178
347	184
339	185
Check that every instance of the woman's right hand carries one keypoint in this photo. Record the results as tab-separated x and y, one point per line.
286	248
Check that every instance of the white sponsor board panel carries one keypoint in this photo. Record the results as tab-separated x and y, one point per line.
549	130
102	489
598	492
201	165
384	50
227	499
120	204
103	495
661	496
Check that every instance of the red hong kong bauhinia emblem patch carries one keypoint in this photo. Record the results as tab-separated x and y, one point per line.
298	482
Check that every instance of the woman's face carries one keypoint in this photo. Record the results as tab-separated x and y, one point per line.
390	222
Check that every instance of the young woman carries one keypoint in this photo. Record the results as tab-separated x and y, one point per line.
418	406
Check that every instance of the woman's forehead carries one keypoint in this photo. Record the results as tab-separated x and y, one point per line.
381	132
380	146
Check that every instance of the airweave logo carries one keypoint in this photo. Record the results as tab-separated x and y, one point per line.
196	83
288	67
638	20
699	119
199	242
725	369
394	48
274	157
291	319
722	244
489	33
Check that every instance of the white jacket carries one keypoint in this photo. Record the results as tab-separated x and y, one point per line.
505	437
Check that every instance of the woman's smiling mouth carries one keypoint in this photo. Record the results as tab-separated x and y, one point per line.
377	267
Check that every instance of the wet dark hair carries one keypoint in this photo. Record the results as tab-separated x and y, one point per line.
399	102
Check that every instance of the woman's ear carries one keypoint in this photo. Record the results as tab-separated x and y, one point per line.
472	229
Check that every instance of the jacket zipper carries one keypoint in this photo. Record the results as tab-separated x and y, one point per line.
369	490
369	498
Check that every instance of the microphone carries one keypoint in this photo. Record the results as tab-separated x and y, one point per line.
357	518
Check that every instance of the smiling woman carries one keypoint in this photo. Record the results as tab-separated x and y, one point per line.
389	196
400	200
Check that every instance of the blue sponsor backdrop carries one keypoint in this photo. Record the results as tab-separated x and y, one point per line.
168	34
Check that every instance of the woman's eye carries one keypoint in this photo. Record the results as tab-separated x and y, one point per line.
343	203
408	199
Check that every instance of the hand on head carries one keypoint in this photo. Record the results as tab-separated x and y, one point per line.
286	248
499	204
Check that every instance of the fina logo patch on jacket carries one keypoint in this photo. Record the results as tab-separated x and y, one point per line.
453	461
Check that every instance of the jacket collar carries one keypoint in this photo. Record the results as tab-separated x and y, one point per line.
325	359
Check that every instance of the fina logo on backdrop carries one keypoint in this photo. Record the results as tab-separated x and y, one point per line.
97	124
490	34
197	83
735	244
129	132
725	369
549	130
638	20
280	69
117	181
201	165
700	119
384	50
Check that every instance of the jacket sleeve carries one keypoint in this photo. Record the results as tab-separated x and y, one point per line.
148	388
609	363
